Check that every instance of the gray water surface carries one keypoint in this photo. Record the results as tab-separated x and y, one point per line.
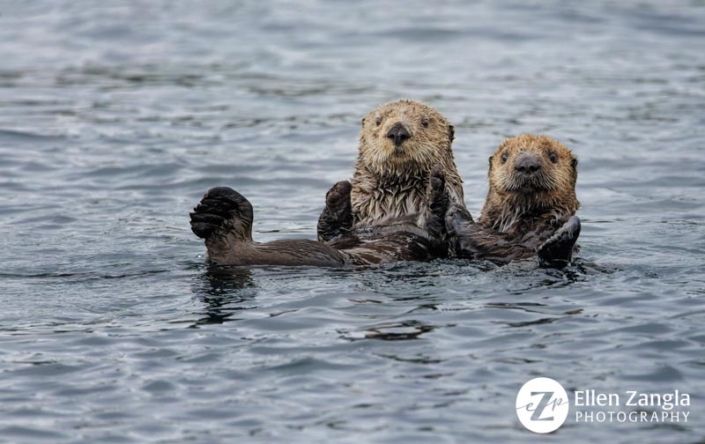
114	120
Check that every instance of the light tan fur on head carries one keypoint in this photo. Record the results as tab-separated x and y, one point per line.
530	176
391	179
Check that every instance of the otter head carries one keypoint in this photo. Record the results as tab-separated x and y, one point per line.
404	137
532	173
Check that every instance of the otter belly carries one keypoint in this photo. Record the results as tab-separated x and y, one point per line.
391	243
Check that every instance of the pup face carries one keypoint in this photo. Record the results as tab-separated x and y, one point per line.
529	164
404	136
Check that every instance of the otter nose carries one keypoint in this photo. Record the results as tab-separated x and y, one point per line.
527	163
398	134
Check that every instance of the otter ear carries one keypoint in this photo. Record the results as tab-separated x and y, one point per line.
451	133
574	163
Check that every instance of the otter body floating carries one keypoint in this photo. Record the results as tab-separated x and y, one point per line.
393	209
530	207
405	202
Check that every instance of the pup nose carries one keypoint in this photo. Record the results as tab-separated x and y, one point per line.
527	163
398	134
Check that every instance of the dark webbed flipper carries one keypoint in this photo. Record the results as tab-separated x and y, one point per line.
336	220
222	212
557	251
223	219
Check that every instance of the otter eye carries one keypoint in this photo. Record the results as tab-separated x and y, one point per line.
553	157
424	122
378	120
504	157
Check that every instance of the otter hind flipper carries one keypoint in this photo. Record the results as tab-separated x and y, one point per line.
223	211
557	251
336	220
223	219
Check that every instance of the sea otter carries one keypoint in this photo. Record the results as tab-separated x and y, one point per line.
400	143
530	207
394	208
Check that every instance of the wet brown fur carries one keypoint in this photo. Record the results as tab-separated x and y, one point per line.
397	203
224	219
515	205
520	213
390	184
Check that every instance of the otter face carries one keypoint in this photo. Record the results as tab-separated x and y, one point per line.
529	164
404	136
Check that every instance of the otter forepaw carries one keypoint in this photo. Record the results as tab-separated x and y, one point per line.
438	179
459	224
222	211
438	204
337	218
557	251
457	219
338	197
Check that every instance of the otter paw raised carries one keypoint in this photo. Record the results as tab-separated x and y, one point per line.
336	220
557	252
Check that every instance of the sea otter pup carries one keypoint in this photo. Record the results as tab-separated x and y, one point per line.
394	209
530	207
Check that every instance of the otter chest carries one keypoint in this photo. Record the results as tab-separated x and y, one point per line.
516	223
390	204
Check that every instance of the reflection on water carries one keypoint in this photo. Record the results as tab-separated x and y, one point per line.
116	118
401	331
222	290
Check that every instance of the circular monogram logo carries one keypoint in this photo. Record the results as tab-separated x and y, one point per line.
542	405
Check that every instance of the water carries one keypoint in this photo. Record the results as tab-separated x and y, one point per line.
114	120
